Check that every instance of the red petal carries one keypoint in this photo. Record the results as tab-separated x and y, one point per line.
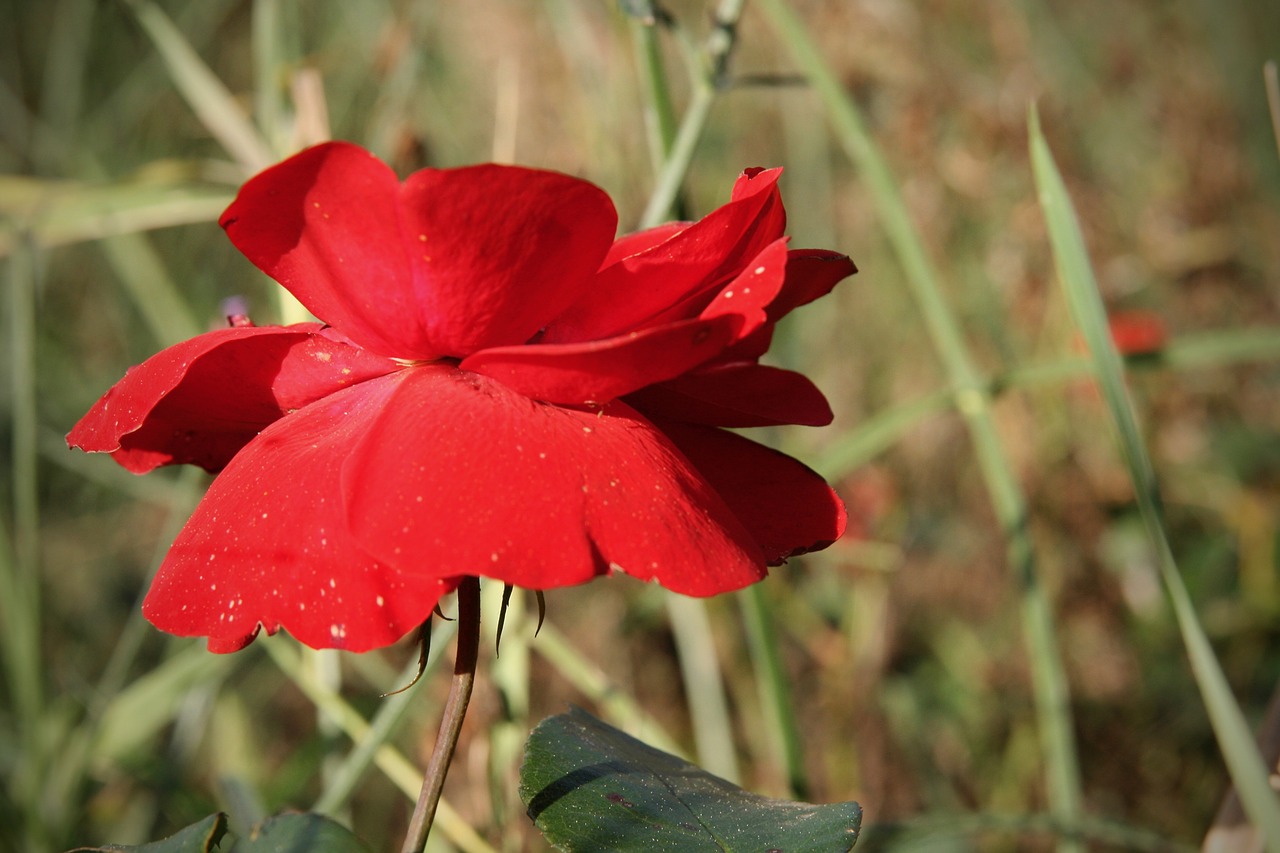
453	261
736	395
503	250
463	475
811	273
641	241
600	371
326	224
700	257
202	400
268	546
788	508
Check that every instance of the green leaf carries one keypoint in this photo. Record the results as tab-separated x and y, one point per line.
200	837
300	832
589	787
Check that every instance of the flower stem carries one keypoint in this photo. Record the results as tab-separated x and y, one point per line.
455	709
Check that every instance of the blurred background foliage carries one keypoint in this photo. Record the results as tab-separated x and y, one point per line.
903	645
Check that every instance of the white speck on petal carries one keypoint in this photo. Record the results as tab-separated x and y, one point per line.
759	270
494	556
728	294
586	429
380	601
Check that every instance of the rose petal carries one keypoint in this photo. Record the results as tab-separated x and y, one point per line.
326	224
202	400
640	241
811	273
461	475
600	371
268	545
788	508
736	395
453	261
701	257
502	250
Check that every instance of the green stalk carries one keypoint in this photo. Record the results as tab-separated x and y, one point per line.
388	759
1248	772
215	106
659	110
706	86
703	685
882	430
1049	682
775	688
618	707
19	577
347	774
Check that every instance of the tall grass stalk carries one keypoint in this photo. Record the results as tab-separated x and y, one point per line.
1248	772
774	687
973	400
402	773
887	427
707	83
213	104
20	605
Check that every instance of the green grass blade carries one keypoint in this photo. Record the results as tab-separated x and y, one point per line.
347	774
973	400
774	686
703	685
212	103
706	86
1075	272
617	707
388	759
20	604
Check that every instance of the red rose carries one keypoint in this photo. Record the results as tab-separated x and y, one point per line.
502	390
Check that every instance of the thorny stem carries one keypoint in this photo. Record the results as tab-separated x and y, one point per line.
455	709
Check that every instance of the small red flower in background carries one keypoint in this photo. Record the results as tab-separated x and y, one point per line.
502	390
1137	332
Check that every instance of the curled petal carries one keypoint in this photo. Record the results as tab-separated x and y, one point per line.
461	475
600	371
268	545
202	400
450	262
788	508
641	241
695	259
742	394
811	273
